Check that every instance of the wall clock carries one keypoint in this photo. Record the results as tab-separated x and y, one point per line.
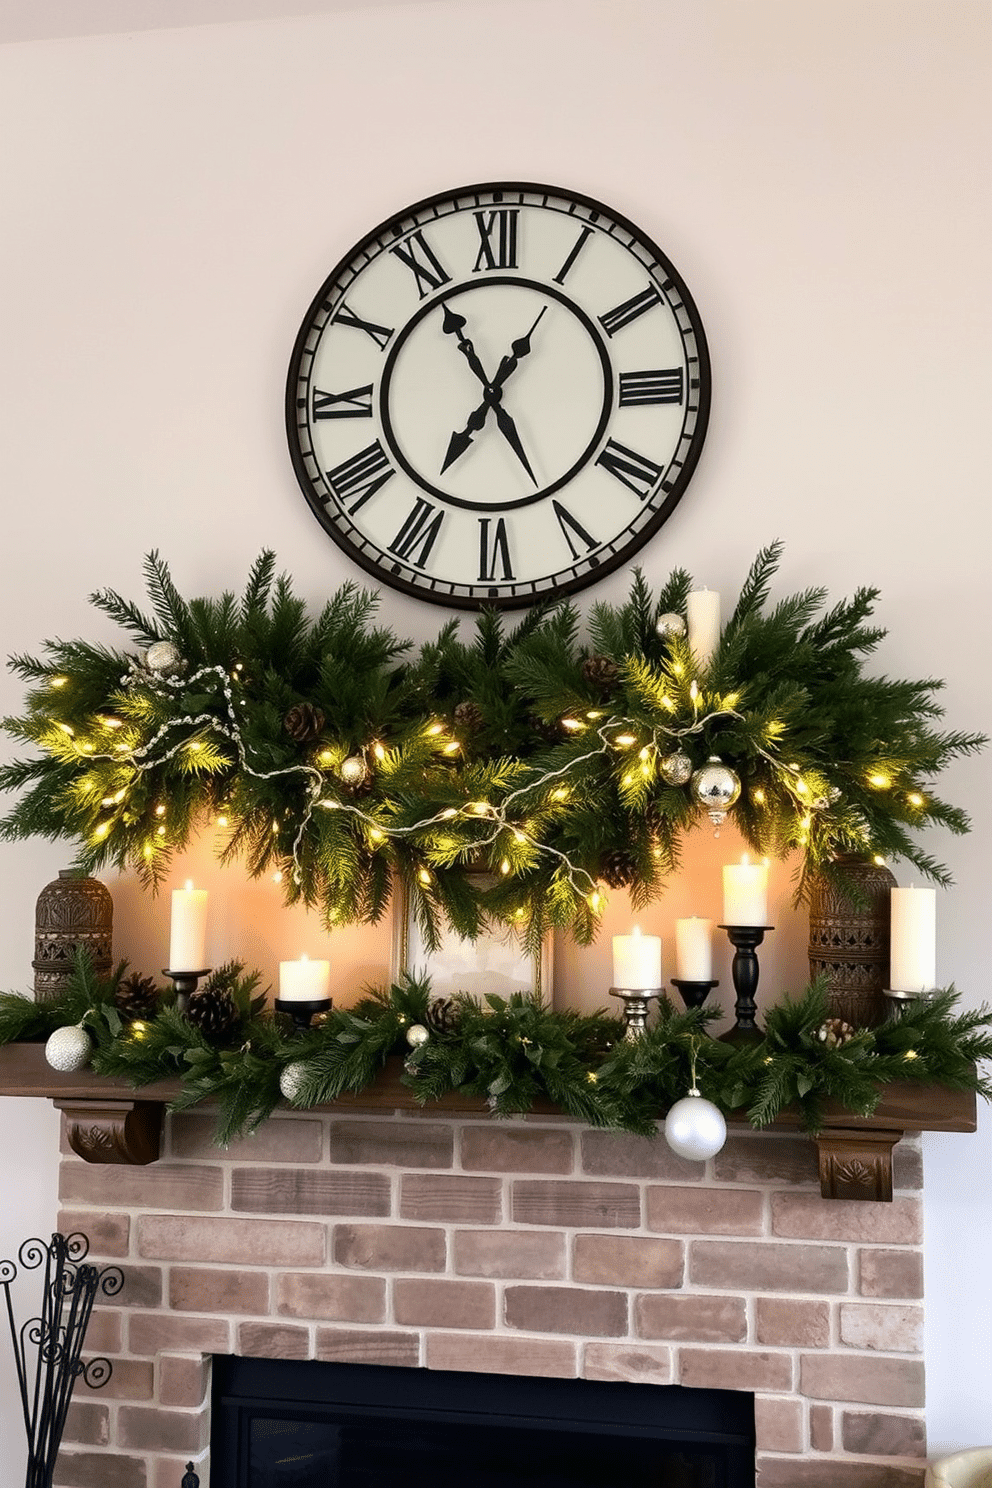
498	396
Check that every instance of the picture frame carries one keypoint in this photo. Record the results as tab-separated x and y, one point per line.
495	962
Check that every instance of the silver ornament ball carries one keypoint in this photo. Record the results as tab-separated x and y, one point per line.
694	1128
675	768
353	770
416	1035
291	1079
69	1049
716	787
670	626
164	659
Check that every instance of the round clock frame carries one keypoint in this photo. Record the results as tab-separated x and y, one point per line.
498	396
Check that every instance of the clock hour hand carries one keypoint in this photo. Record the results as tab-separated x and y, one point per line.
454	325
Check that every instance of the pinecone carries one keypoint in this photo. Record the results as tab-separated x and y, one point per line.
468	715
443	1015
136	997
835	1032
303	722
618	869
212	1010
600	672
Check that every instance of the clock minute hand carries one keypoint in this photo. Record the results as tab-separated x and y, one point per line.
461	439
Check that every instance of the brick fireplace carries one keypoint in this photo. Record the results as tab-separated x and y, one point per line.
536	1246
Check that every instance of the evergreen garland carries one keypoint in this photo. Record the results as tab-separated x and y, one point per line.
513	1052
334	756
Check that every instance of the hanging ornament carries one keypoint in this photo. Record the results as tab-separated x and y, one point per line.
675	768
670	626
353	770
416	1035
68	1049
716	787
694	1128
163	659
291	1079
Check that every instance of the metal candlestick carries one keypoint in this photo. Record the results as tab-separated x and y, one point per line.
693	994
899	1002
635	1007
744	970
302	1010
185	984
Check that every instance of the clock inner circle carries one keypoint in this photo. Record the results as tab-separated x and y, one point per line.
495	394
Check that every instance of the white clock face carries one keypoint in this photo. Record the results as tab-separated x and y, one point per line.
498	396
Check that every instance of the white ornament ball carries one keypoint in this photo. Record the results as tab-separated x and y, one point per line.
416	1035
694	1128
670	626
164	658
69	1049
353	770
291	1079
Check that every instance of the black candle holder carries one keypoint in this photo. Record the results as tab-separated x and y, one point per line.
185	985
744	970
693	994
635	1007
302	1010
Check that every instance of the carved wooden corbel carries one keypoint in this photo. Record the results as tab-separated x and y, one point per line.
855	1163
113	1131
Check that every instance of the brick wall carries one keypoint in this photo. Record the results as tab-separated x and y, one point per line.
531	1247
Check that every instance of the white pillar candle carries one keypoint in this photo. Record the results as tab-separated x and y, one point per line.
636	960
745	893
188	937
304	980
913	940
702	612
694	950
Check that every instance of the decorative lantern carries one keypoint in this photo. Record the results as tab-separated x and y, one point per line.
73	914
849	939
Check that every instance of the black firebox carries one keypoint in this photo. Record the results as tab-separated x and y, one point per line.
287	1424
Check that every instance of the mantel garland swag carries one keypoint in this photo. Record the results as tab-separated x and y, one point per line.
330	755
512	1052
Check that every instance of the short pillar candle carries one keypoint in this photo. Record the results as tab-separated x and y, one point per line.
694	950
702	610
304	980
636	960
745	893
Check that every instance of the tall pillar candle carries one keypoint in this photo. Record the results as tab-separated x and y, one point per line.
636	961
913	940
304	980
702	612
745	893
694	950
188	931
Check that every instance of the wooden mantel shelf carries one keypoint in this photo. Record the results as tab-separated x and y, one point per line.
107	1121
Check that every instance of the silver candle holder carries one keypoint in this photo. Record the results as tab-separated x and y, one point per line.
636	1002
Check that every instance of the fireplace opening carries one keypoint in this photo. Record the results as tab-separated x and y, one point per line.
279	1423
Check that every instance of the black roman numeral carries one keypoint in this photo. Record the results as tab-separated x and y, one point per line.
621	315
497	239
662	386
636	471
577	247
491	550
380	334
361	476
419	256
418	534
570	525
355	403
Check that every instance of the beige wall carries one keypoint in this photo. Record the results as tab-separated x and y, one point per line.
170	202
